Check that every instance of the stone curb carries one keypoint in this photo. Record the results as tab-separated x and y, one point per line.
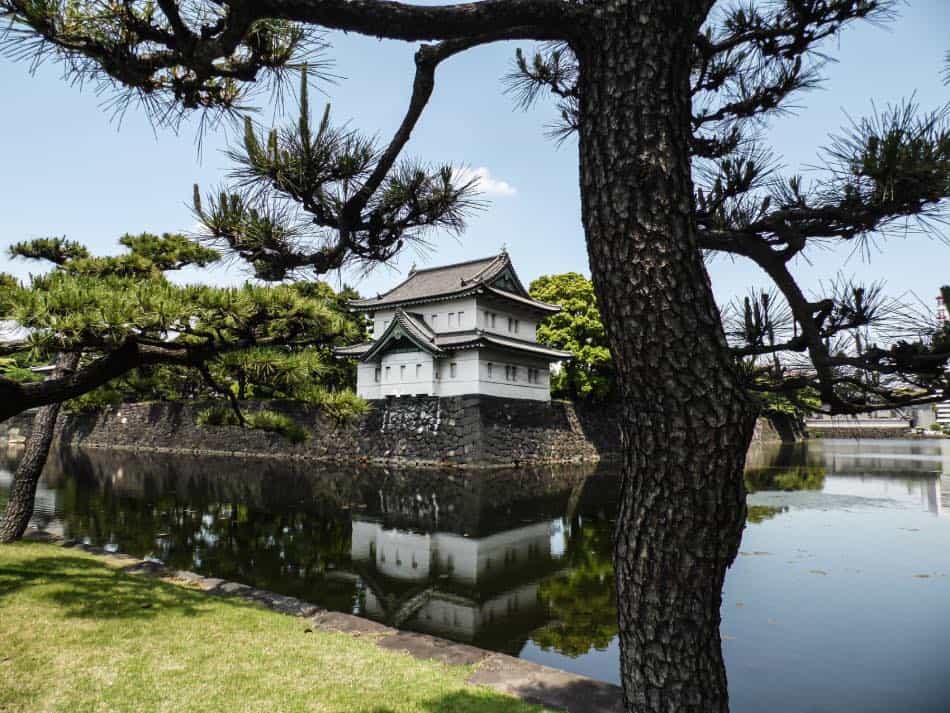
530	682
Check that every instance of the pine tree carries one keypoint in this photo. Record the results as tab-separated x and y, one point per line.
101	318
657	91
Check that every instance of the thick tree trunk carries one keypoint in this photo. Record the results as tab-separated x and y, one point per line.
19	508
686	420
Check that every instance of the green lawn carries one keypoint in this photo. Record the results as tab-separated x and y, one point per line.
78	635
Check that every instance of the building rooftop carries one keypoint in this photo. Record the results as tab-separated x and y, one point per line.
494	274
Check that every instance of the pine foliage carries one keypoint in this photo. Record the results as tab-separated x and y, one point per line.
270	341
310	198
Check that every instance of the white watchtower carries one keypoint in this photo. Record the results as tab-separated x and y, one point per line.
467	328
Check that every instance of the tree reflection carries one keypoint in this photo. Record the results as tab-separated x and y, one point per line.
760	513
581	599
788	478
292	550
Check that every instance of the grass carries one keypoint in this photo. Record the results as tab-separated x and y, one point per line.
78	635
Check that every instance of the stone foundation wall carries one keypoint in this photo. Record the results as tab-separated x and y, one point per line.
459	430
858	432
471	430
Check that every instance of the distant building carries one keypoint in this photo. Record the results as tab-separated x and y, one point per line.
942	410
467	328
923	416
883	420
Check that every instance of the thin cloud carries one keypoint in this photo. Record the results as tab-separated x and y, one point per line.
486	184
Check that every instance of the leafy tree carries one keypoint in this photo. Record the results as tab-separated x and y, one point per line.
589	375
666	98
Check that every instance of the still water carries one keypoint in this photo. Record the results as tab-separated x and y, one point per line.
837	602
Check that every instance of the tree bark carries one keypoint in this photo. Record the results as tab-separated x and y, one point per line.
22	496
686	418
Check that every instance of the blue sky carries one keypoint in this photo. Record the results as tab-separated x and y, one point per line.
68	170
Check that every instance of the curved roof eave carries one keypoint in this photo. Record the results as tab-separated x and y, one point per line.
406	326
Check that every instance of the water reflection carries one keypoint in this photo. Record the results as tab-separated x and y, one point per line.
843	563
467	555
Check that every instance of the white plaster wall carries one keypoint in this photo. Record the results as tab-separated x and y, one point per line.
471	375
441	325
527	321
363	538
510	550
465	380
366	386
467	559
441	311
405	382
457	556
520	388
381	320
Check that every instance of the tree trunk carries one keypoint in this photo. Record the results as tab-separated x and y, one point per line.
19	508
686	419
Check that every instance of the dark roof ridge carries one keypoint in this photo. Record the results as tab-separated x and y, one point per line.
443	280
460	264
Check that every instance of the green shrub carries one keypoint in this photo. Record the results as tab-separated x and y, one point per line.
277	423
96	400
218	416
262	420
343	405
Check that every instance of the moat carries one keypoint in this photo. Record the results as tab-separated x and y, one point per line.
835	602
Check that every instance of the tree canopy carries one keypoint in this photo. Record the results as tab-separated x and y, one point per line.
590	373
123	315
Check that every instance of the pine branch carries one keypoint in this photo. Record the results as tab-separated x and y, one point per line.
319	198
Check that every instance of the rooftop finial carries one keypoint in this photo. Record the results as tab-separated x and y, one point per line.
412	269
504	248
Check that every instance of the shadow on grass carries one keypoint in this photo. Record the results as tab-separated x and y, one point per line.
466	702
85	588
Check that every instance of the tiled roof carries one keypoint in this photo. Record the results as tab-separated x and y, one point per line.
527	301
461	340
442	282
353	349
417	331
452	341
416	324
